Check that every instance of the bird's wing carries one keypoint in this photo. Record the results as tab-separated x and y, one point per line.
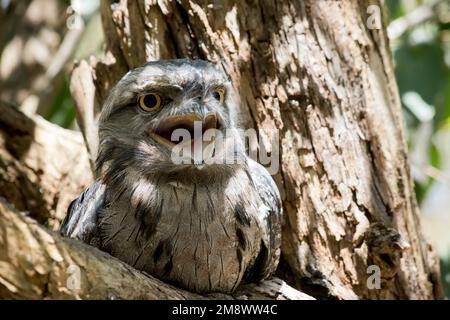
270	220
81	219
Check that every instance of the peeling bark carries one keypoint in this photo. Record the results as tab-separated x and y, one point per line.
313	70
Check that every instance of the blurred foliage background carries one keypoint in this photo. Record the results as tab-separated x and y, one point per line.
51	35
419	32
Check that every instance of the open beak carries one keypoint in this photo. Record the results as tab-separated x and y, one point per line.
163	134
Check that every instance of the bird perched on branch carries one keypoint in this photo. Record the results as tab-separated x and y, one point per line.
204	226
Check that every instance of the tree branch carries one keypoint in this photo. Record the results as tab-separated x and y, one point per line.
38	264
416	17
42	166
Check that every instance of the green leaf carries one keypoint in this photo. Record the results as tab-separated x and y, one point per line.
62	110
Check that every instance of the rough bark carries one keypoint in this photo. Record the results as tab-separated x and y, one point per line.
42	166
313	70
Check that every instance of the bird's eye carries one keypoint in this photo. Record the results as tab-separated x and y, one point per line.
219	94
150	102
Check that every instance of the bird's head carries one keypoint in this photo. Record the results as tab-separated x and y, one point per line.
157	117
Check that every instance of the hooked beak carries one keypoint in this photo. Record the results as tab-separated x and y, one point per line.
191	122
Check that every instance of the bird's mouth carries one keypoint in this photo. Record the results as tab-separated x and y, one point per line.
182	128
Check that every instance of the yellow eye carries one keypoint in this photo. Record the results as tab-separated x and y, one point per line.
150	102
219	94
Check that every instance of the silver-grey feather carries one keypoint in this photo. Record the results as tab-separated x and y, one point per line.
204	230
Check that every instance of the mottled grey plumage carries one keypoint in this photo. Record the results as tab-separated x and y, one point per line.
205	230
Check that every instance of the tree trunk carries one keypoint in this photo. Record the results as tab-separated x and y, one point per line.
310	70
317	73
